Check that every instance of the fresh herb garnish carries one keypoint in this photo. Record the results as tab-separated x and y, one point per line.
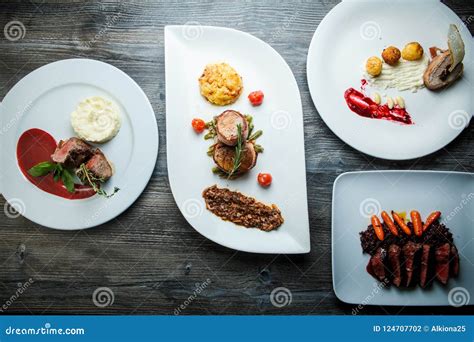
87	177
67	176
238	152
58	170
68	179
42	169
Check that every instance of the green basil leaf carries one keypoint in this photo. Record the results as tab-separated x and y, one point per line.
42	169
56	176
68	180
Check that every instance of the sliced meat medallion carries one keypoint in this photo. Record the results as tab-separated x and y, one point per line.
394	254
437	74
72	152
425	275
442	262
226	127
454	261
99	166
224	157
377	264
410	251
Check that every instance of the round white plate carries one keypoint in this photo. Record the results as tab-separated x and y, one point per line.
44	99
356	30
280	117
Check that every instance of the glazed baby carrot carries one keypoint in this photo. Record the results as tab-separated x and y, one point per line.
377	227
431	218
388	221
401	223
416	220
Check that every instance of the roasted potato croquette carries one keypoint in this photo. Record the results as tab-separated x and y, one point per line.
391	55
412	51
220	84
374	66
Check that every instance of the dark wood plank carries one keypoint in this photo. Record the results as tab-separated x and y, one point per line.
149	256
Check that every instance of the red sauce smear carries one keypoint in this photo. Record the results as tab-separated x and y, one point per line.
366	107
36	146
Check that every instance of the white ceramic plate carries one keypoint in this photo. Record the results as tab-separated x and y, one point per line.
358	195
44	99
187	50
356	30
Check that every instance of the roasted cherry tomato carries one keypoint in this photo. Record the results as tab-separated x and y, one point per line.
198	125
256	97
264	179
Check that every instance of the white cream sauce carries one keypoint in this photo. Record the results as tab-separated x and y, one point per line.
405	75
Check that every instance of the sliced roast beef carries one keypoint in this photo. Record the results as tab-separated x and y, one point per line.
377	264
410	254
442	262
425	274
224	157
454	267
394	254
226	127
72	152
99	166
411	259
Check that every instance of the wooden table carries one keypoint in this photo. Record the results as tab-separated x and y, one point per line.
150	258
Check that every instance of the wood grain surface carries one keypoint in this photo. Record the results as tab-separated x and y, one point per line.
149	256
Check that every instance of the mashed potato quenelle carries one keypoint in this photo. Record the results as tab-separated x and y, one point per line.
220	84
96	119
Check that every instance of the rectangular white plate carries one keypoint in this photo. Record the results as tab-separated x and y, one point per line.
358	195
188	49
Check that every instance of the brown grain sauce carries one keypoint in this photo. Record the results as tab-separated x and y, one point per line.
242	210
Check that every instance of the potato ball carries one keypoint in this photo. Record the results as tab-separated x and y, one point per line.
391	55
412	51
374	66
